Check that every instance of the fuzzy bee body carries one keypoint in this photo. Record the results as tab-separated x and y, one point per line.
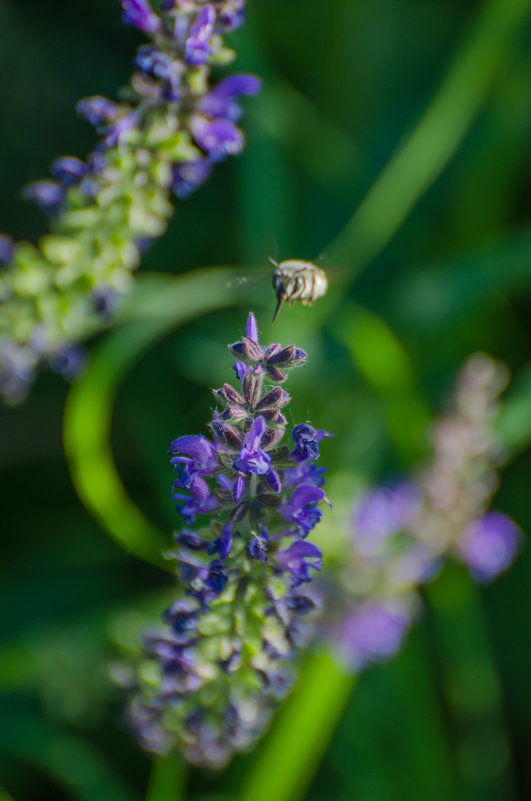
295	279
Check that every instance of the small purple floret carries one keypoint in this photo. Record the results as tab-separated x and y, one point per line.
298	559
489	545
47	194
69	170
7	249
252	459
372	632
197	46
219	138
98	110
140	14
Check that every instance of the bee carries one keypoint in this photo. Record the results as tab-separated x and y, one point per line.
295	279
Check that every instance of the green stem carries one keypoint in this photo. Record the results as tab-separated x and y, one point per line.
417	162
290	753
166	782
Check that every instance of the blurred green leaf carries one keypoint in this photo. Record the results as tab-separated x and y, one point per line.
424	154
385	365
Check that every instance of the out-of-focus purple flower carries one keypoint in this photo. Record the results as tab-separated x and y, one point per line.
372	631
301	509
220	101
224	543
47	194
69	361
217	578
189	176
219	138
98	110
383	512
298	559
140	14
105	300
232	14
252	458
489	544
197	46
69	170
7	249
121	127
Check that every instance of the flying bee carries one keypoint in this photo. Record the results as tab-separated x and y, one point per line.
295	279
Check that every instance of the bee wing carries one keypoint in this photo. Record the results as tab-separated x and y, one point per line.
249	280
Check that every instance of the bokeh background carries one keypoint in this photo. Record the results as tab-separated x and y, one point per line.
435	265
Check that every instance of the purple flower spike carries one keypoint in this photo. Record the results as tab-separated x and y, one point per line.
47	194
489	545
372	632
140	14
69	170
298	559
219	138
197	47
98	110
252	459
7	249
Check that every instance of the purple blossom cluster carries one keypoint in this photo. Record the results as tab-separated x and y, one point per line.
175	124
402	535
248	503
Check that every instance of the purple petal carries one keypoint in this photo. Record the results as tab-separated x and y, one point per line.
197	48
489	545
140	14
220	138
47	194
98	110
69	170
252	328
372	632
199	448
7	249
189	176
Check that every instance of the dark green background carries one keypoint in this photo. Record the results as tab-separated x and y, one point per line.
346	83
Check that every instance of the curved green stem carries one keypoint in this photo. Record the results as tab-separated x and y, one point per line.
159	304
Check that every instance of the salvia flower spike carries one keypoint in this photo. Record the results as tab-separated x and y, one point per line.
248	502
174	124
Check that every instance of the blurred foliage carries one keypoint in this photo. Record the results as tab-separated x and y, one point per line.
418	117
